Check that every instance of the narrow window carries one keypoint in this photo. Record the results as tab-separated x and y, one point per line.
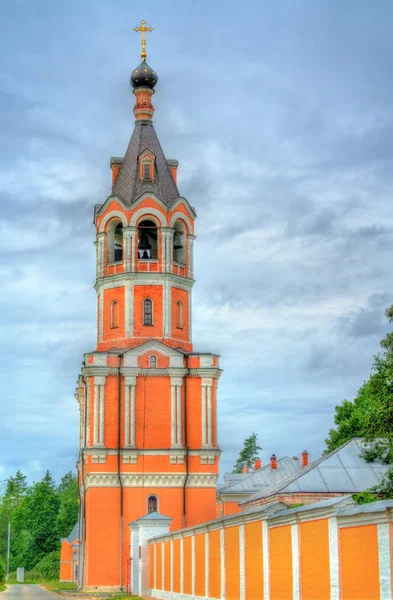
146	171
179	315
153	362
114	314
147	312
118	243
152	504
147	240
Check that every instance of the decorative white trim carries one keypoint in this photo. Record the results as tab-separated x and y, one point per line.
266	567
146	211
334	559
207	417
101	315
242	571
385	573
112	215
99	411
163	566
179	216
150	480
155	565
222	562
295	561
88	411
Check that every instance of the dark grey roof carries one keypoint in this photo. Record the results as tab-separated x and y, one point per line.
260	479
128	186
74	535
155	516
341	471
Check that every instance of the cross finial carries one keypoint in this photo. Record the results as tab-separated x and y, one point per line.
143	29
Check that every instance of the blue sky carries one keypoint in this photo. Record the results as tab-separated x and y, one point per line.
281	118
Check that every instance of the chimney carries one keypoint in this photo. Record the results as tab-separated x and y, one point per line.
304	458
273	461
257	464
245	469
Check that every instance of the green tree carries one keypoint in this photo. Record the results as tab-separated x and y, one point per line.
69	505
248	455
370	414
34	524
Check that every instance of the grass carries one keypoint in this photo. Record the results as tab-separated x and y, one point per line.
54	585
2	587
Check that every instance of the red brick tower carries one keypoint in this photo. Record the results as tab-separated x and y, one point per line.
147	400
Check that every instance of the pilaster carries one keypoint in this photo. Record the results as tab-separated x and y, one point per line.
129	412
99	411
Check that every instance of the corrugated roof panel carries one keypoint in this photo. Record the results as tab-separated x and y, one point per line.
379	506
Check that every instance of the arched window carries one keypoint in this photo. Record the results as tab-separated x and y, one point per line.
153	362
114	314
147	240
119	243
179	315
148	312
152	504
179	243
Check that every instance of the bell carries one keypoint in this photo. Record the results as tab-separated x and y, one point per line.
144	242
176	241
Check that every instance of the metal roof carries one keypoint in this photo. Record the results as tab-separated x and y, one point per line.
341	471
262	478
74	535
128	186
372	507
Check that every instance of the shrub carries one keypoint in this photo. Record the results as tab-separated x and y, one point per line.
2	572
364	497
47	568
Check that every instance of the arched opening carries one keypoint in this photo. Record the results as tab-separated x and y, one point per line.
179	243
148	312
153	362
152	504
114	314
179	315
115	241
147	240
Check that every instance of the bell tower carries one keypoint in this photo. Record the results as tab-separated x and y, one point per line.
148	439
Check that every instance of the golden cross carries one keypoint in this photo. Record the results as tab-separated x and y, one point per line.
143	29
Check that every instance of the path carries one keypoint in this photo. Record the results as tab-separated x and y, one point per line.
27	592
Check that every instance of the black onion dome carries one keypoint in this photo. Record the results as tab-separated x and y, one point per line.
143	76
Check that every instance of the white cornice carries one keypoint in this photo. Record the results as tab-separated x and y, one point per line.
200	480
143	278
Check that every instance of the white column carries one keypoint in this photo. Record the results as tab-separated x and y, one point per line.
99	411
133	246
101	315
155	566
385	573
209	416
163	565
207	563
295	561
129	411
242	570
166	308
127	245
222	557
207	412
176	420
204	428
100	247
334	559
266	568
178	410
190	250
88	417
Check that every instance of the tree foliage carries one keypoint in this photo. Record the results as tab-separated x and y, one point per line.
370	415
248	454
41	514
2	572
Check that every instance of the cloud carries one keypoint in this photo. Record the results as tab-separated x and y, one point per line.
285	150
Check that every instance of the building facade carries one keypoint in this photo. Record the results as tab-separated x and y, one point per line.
148	440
